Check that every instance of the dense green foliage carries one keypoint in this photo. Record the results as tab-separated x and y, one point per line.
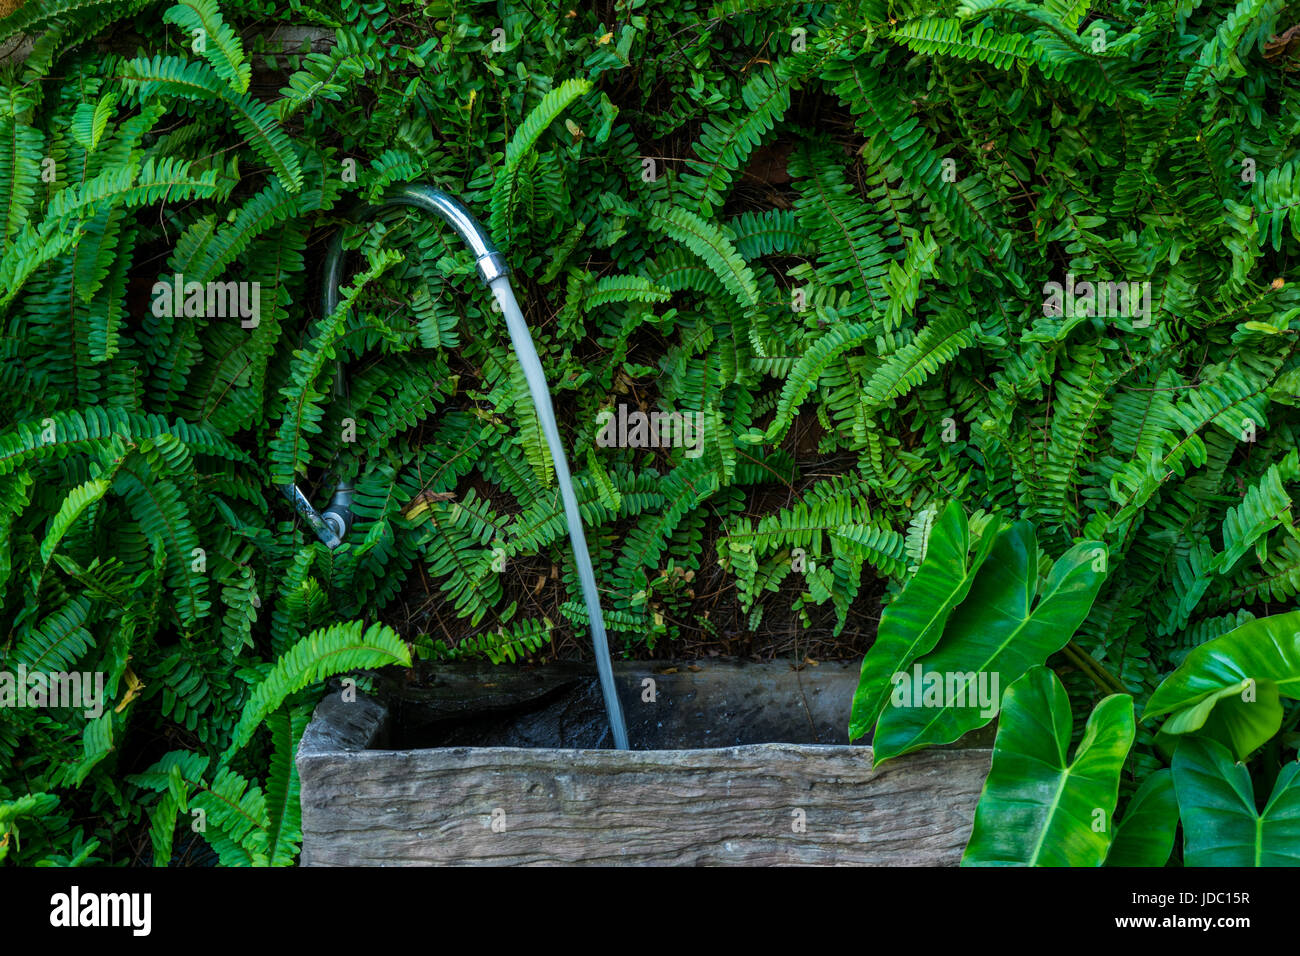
966	641
825	228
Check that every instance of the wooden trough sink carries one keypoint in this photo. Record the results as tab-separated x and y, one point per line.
732	764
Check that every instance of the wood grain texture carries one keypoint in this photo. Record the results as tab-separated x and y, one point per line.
731	805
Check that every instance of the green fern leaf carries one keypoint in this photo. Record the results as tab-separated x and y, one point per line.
172	76
322	653
220	45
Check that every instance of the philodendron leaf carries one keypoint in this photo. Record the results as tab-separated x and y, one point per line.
994	636
1221	826
1242	716
1145	837
912	623
1228	688
1039	808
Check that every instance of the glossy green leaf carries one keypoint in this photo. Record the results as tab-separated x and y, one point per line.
911	625
1039	808
1242	717
1003	628
1221	826
1145	837
1228	688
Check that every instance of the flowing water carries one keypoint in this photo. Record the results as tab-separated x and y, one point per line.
532	366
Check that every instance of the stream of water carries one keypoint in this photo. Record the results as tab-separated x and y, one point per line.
532	366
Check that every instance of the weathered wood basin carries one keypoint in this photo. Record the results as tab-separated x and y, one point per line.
734	764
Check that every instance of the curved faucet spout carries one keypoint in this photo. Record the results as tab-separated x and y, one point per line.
332	527
487	260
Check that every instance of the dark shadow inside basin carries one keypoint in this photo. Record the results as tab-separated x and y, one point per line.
667	706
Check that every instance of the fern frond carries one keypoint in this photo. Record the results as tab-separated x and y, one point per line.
521	148
711	243
322	653
24	18
236	820
1266	505
172	76
59	641
221	46
723	147
284	812
934	346
289	452
828	347
322	76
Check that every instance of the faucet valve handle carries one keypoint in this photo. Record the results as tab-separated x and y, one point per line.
331	532
338	513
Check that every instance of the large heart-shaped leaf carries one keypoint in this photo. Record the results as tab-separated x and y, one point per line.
1228	688
1221	826
1038	807
994	636
1145	837
912	623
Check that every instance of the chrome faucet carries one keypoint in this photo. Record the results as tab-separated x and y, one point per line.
332	525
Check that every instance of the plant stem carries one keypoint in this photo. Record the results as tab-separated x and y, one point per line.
1099	675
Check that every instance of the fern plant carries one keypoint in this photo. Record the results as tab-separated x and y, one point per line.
826	233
